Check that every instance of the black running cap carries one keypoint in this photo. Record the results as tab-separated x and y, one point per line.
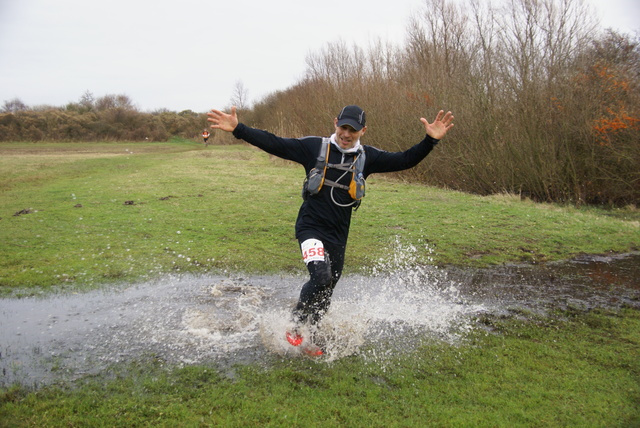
353	116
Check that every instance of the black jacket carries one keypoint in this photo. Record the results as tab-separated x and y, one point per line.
319	217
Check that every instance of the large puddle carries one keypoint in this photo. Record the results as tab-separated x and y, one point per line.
226	320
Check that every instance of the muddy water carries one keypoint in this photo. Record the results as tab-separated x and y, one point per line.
226	320
584	283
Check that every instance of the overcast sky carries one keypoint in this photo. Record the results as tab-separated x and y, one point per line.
189	54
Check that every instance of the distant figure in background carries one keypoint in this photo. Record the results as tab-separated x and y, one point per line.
336	169
205	136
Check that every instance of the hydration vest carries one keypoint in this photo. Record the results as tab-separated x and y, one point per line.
316	177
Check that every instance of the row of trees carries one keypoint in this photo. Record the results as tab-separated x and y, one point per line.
111	117
545	105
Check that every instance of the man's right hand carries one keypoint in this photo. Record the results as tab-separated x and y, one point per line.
224	121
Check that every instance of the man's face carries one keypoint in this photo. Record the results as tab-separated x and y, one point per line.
346	136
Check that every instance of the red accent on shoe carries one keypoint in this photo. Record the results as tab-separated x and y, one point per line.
314	352
294	338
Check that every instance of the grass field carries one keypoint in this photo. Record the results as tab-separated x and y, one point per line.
578	370
78	216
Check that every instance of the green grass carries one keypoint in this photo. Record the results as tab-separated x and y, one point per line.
568	370
234	207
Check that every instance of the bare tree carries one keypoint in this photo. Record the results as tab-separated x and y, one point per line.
111	101
240	97
13	106
87	100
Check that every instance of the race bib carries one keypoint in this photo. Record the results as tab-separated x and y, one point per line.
312	251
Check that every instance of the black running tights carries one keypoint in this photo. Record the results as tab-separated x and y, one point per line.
315	296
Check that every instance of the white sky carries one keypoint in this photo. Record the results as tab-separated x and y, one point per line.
189	54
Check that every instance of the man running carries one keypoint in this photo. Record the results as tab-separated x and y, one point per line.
336	168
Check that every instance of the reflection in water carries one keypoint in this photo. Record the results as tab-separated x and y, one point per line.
222	320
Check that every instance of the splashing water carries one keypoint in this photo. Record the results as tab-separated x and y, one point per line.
190	320
187	319
384	313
